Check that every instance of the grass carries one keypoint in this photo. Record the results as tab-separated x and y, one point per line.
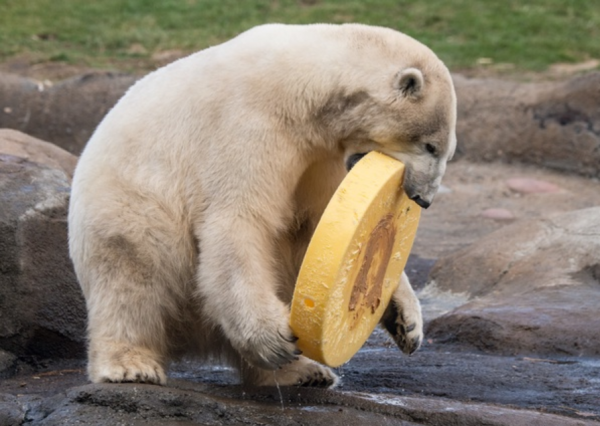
528	35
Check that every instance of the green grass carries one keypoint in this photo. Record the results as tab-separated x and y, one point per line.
531	35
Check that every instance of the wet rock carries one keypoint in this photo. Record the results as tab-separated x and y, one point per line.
188	403
13	142
533	288
65	113
555	124
146	404
42	312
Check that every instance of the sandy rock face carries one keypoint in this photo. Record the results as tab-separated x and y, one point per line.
42	312
532	287
13	142
66	113
553	124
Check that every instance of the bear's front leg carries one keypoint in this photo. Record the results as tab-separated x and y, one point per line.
238	286
402	318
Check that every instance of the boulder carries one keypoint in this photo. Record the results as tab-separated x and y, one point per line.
12	413
65	113
532	287
7	364
19	144
42	311
554	124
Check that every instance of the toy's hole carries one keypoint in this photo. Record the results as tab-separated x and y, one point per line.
309	303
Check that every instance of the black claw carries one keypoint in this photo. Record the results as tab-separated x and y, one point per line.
292	339
411	327
326	382
416	343
297	352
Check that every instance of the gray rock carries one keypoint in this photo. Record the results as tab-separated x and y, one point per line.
66	113
188	403
532	288
42	312
11	411
7	364
19	144
554	124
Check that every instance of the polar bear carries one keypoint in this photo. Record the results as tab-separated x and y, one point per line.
193	202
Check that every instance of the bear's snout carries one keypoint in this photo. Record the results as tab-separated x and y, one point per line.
352	160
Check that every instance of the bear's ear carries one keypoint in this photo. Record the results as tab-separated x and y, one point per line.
409	82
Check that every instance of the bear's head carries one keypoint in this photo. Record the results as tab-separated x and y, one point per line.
412	120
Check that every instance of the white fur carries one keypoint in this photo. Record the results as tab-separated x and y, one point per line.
194	200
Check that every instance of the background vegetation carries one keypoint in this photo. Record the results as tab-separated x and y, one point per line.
124	34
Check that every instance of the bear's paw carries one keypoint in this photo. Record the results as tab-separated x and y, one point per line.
303	372
125	364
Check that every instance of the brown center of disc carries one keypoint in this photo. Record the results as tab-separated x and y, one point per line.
368	285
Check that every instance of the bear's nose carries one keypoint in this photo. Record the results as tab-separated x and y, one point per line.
352	160
423	203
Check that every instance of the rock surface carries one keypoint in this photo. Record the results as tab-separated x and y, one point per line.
65	113
42	311
533	288
13	142
449	381
188	403
510	311
554	124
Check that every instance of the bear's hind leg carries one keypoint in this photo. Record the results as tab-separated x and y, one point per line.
130	301
111	361
126	332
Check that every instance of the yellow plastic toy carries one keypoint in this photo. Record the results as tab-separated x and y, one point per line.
354	261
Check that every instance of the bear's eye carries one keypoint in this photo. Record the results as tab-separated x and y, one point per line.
431	149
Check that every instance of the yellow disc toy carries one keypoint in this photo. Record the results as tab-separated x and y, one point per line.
354	261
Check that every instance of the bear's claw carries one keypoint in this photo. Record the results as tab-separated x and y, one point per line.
270	349
407	337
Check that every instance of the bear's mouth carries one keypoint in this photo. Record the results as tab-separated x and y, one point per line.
353	159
